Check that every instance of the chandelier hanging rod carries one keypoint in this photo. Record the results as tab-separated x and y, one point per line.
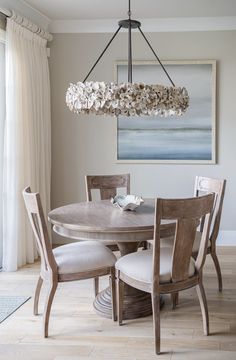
113	37
129	47
164	69
129	24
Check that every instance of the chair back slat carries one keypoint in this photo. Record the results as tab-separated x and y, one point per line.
187	213
183	245
107	185
37	221
205	185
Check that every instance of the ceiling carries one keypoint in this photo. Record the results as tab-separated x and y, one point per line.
108	9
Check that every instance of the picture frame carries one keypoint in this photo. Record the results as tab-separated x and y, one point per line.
188	139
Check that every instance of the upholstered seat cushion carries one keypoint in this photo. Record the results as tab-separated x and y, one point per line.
138	265
197	241
83	256
170	241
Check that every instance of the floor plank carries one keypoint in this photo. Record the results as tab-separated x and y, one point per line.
77	332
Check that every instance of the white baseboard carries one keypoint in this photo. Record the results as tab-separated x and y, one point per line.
226	238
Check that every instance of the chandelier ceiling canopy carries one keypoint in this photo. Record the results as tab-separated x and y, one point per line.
127	99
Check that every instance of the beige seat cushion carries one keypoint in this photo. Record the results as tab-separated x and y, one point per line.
138	265
197	241
170	240
83	256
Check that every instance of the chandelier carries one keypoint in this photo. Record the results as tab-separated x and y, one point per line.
127	99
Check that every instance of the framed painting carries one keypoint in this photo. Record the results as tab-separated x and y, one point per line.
189	138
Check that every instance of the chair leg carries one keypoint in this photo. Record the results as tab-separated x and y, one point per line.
36	295
174	299
218	271
120	299
47	309
145	245
96	286
113	294
156	321
204	309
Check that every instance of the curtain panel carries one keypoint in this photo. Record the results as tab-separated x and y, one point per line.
27	140
2	122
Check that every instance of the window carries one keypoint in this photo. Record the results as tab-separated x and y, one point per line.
2	121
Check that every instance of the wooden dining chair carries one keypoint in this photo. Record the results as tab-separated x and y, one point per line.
165	269
75	261
107	187
205	185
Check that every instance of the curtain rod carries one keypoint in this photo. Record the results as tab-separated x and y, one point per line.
26	23
5	12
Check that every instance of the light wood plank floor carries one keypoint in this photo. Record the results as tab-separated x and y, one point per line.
77	332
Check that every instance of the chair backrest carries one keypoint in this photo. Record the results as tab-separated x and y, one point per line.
187	213
205	185
107	184
37	220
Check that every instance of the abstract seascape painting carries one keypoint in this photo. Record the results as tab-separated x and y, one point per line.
186	139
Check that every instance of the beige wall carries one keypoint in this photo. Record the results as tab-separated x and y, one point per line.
87	145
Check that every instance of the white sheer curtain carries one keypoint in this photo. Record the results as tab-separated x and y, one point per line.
2	122
27	140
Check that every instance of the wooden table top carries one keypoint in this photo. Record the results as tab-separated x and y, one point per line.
103	216
103	220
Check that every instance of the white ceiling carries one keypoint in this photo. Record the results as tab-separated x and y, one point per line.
108	9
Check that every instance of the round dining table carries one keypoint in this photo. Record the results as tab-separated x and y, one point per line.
101	220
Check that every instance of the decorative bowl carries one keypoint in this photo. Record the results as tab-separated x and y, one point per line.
127	202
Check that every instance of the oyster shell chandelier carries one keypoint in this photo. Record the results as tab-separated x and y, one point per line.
127	99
